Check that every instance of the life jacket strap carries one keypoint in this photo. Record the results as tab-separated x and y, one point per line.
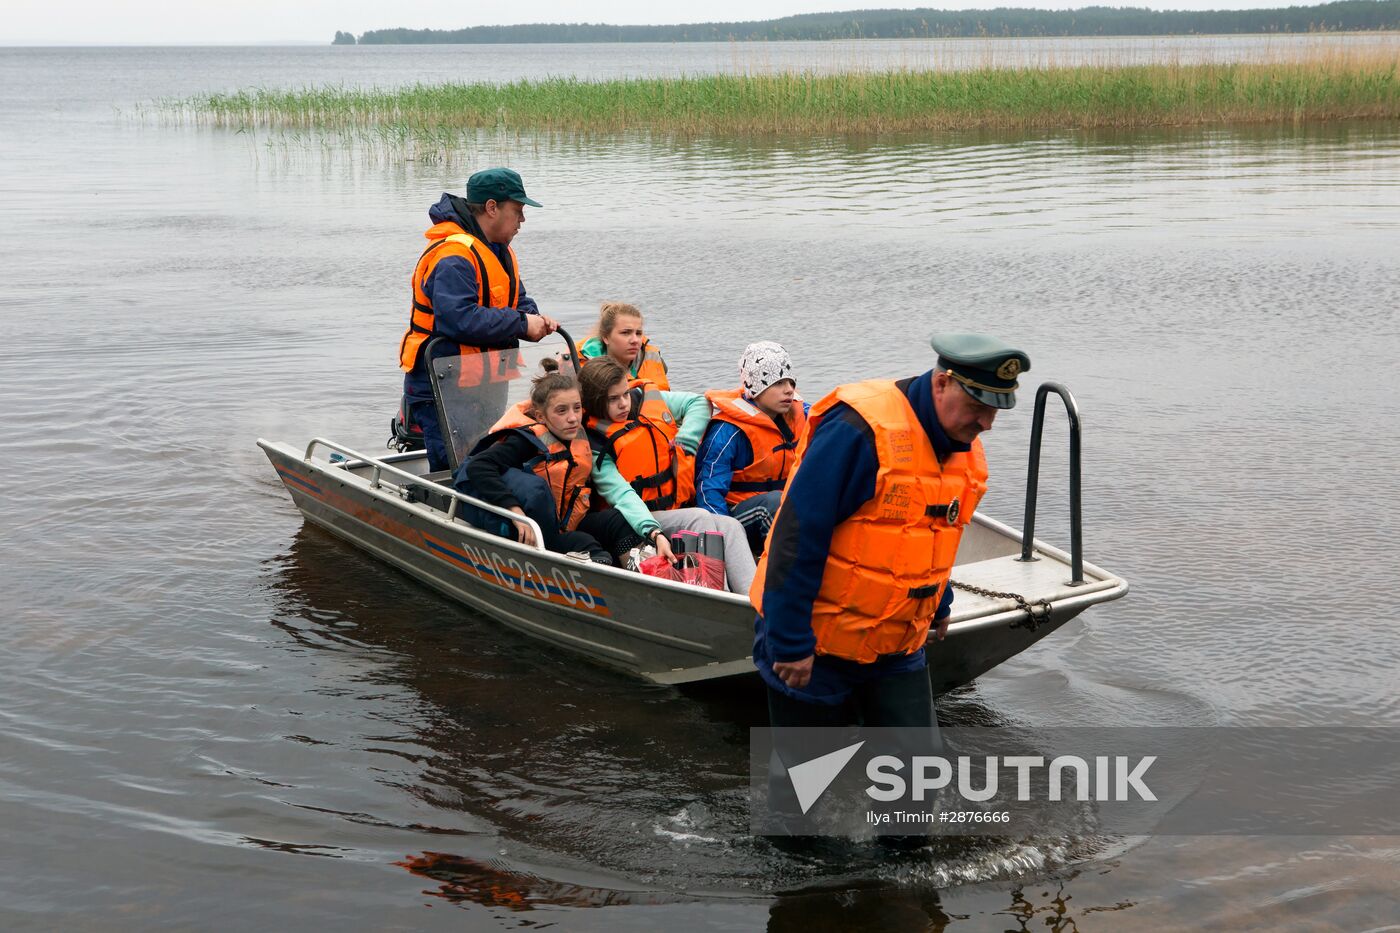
568	507
662	504
656	480
435	244
757	485
420	308
483	281
949	512
609	441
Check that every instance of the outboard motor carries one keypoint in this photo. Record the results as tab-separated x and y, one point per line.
403	436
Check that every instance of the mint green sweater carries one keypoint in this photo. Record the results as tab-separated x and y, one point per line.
692	413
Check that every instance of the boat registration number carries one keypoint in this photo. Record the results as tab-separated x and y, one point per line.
554	585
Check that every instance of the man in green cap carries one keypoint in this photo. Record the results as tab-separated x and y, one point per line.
857	566
467	287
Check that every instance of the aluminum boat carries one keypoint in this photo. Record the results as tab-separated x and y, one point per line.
1010	596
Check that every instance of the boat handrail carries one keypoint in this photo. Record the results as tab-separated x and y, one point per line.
376	481
1076	518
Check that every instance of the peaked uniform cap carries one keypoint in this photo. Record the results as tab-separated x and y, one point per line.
497	184
984	366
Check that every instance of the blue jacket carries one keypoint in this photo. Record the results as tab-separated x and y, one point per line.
453	288
724	451
816	502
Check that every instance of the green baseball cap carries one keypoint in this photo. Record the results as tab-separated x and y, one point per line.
497	184
984	366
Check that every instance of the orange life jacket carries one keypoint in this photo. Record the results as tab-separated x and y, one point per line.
644	449
772	442
651	366
496	288
565	467
889	563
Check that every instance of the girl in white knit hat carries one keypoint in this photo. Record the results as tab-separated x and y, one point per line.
748	448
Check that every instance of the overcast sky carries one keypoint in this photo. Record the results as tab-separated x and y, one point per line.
25	22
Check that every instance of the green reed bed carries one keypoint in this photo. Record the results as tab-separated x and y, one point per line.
1333	87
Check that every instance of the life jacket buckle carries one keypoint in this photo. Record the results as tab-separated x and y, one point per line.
949	513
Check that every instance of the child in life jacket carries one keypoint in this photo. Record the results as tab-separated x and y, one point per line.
619	335
749	446
536	461
642	467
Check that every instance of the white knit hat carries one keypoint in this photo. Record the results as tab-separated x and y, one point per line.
763	364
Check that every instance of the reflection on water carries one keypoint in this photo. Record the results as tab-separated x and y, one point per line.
858	907
462	879
1046	907
1306	182
196	686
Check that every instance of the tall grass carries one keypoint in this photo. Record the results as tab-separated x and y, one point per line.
1330	86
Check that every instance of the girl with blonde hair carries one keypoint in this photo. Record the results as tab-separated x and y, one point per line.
620	335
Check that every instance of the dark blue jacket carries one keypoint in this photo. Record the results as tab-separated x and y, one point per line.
816	502
724	451
453	289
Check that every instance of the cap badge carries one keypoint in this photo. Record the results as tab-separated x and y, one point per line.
1010	369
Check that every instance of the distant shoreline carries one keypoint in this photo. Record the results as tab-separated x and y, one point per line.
317	44
1339	16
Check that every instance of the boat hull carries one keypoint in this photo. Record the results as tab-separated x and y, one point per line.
662	631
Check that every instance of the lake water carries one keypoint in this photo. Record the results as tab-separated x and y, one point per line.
214	716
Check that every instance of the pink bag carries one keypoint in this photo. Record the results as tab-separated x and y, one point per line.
695	569
708	572
659	566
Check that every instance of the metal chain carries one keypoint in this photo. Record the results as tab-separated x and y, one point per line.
1037	613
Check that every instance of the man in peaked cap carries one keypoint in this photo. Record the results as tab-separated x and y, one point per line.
858	563
467	287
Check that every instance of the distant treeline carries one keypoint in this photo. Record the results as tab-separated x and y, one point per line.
1347	15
